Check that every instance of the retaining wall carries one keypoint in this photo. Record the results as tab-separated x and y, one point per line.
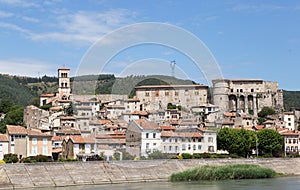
83	173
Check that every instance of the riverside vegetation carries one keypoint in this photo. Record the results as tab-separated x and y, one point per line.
236	171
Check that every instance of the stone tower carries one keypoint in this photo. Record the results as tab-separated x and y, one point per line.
220	94
64	86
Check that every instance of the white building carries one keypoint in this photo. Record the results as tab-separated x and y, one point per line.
3	145
289	120
142	138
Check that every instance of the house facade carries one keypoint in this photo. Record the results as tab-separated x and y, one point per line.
3	145
158	97
143	137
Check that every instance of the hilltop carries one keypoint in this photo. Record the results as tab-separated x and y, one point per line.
22	90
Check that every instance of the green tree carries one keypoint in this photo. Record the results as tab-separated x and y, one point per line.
70	110
240	142
269	142
266	111
5	105
13	117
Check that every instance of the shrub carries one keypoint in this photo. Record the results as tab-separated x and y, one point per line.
197	156
40	158
10	158
2	162
186	156
237	171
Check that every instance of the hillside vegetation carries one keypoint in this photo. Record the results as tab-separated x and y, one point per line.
21	90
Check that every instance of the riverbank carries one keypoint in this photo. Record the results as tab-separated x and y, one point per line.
93	173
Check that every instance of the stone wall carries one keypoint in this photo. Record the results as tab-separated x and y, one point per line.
83	173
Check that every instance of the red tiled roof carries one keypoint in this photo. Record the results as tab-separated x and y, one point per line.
167	128
56	150
190	134
32	132
168	134
47	95
171	86
16	130
80	140
230	114
147	124
3	138
104	121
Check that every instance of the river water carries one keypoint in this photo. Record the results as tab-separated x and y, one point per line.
283	183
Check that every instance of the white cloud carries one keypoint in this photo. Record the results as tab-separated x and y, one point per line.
257	7
19	3
86	27
26	67
4	14
30	19
14	27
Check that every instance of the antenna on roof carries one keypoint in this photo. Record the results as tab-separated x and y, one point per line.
172	65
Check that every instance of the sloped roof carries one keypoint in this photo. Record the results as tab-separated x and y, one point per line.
16	130
3	138
148	125
37	133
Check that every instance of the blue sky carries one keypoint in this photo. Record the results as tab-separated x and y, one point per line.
248	39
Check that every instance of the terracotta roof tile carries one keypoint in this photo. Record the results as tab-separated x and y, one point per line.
3	138
167	128
148	125
32	132
16	130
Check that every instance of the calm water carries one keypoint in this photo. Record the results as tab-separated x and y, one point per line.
286	183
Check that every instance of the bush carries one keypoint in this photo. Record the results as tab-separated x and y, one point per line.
2	162
237	171
10	158
197	156
67	160
186	156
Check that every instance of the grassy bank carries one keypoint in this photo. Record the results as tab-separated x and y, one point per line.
238	171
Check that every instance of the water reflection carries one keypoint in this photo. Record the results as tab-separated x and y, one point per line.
286	183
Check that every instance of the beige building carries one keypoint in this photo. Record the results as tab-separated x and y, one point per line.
158	97
39	143
28	142
17	136
246	95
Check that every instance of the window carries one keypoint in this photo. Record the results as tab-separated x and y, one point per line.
289	119
211	148
176	93
170	148
183	147
194	147
210	139
189	147
147	135
146	93
34	140
154	135
34	150
154	144
196	93
199	147
0	147
12	138
147	145
176	148
45	140
252	90
45	150
164	139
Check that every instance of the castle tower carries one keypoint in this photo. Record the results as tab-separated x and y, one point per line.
64	86
220	94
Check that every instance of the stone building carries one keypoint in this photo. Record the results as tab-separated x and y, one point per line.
159	96
64	95
246	95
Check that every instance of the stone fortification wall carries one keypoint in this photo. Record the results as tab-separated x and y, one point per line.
83	173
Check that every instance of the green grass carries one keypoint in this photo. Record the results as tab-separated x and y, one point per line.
238	171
